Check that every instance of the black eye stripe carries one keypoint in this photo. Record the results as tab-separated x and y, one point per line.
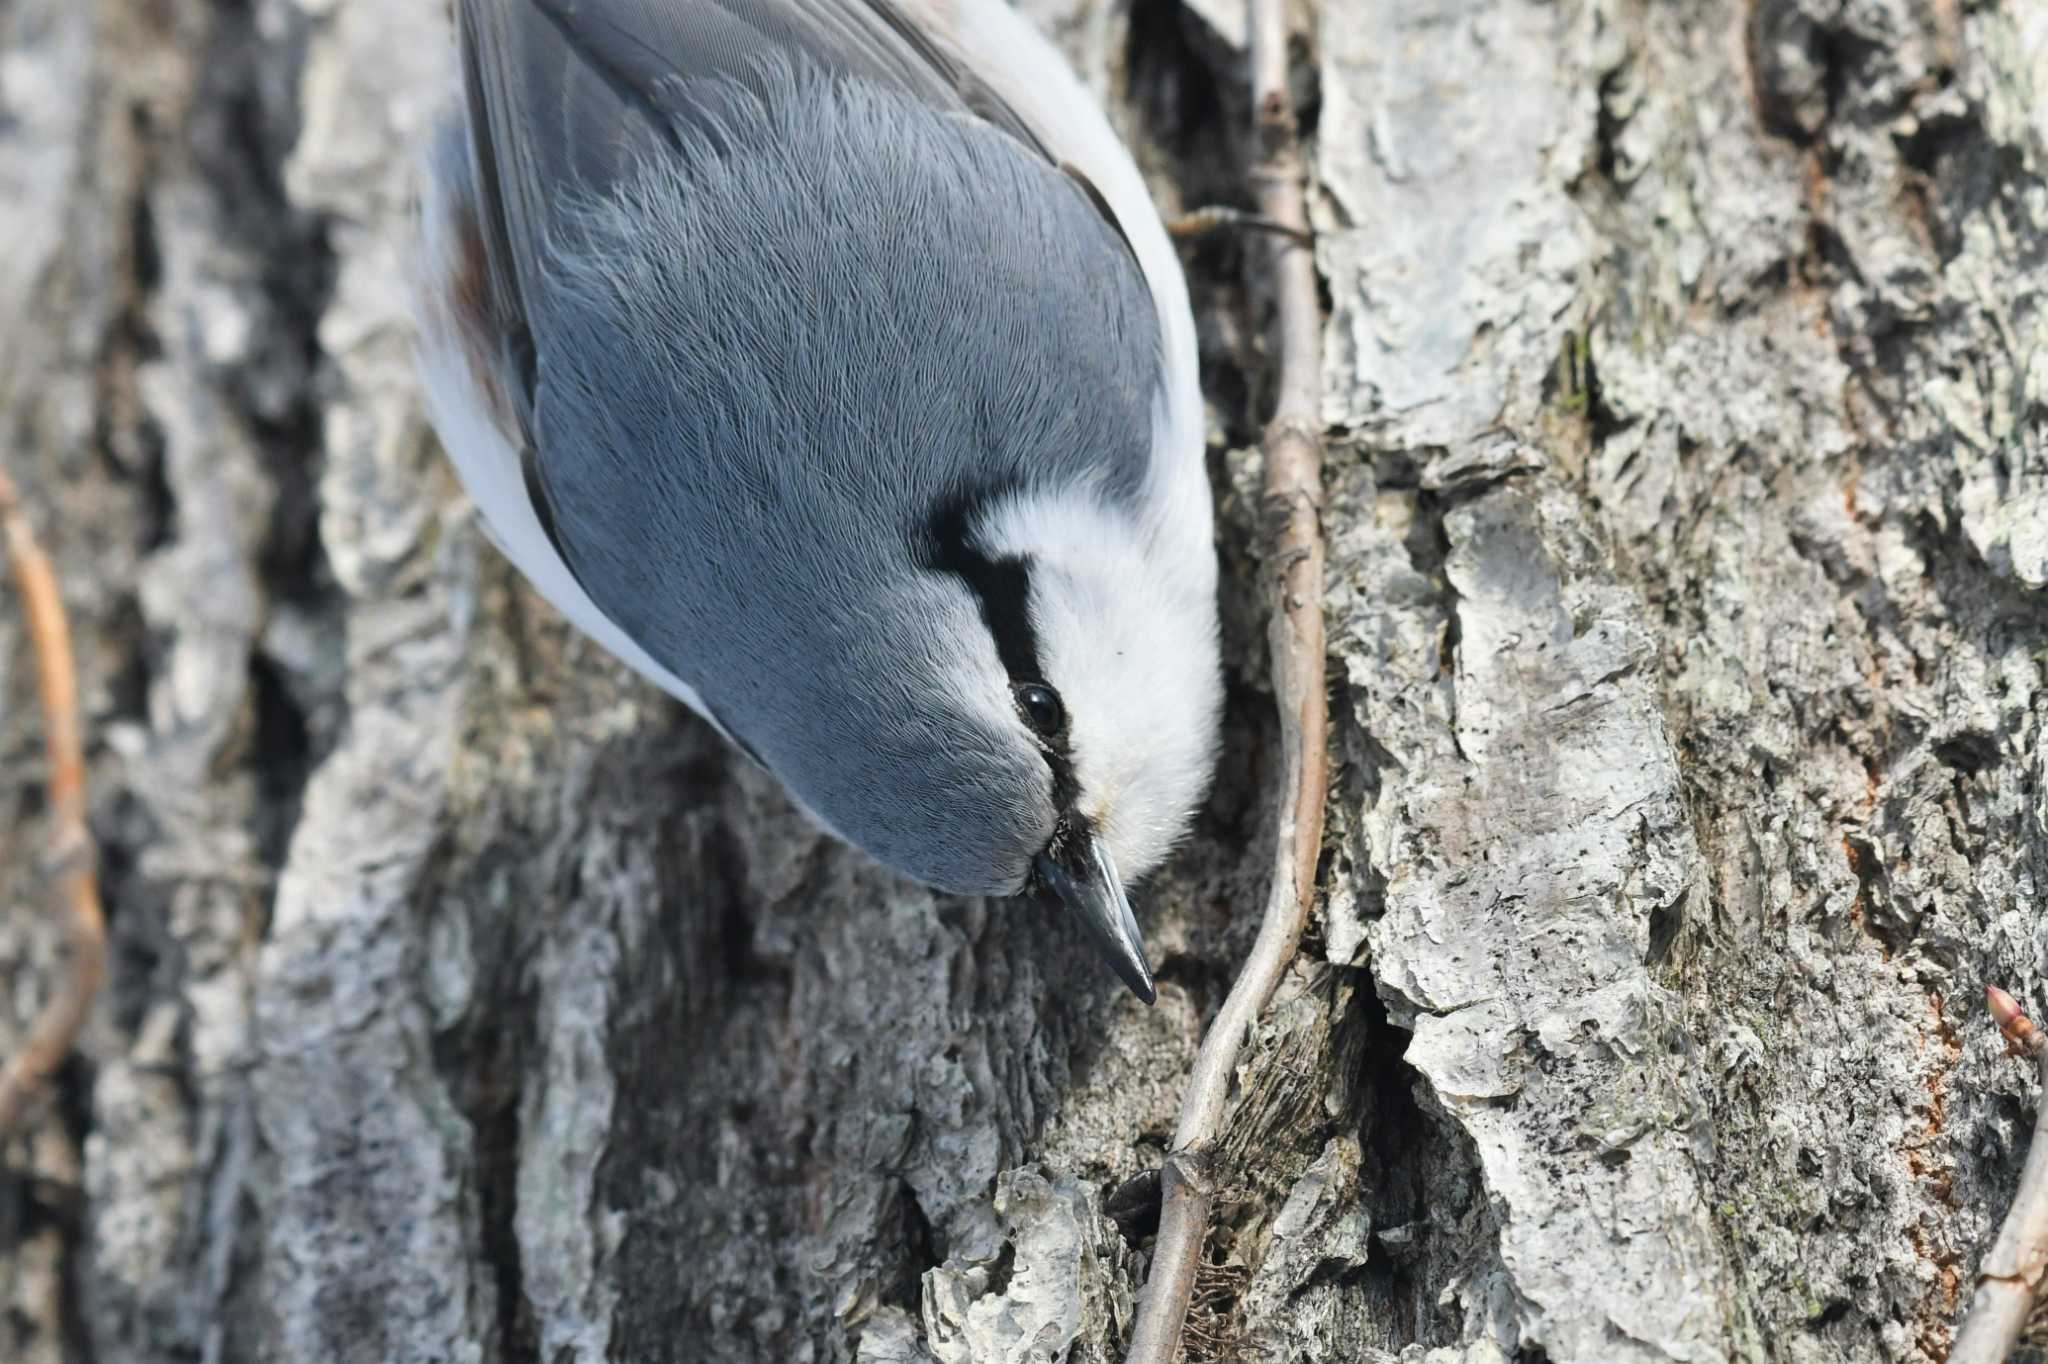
1002	587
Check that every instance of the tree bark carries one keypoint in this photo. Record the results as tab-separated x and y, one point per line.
1687	503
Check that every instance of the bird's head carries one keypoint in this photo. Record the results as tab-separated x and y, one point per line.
914	505
1046	720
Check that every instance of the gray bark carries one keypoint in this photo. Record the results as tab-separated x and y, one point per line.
1688	504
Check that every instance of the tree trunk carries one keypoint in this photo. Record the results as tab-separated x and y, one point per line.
1687	378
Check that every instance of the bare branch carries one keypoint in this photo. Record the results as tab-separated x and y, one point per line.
71	853
2009	1281
1293	490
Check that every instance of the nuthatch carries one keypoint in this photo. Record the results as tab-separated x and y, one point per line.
827	362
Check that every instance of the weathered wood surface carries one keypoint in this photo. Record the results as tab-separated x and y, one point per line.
1688	506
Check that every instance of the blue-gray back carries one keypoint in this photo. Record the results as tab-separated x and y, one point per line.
779	314
769	363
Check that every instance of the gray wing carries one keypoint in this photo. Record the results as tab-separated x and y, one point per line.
565	95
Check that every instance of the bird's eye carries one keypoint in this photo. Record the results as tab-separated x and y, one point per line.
1041	707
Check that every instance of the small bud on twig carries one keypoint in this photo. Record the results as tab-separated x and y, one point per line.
2018	1029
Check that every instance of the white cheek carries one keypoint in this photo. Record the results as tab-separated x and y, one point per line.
1143	753
1132	650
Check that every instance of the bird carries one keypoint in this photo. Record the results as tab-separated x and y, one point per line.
828	363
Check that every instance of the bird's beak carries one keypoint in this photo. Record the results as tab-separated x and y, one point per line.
1079	871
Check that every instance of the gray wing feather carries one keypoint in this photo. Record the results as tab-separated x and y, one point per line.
567	95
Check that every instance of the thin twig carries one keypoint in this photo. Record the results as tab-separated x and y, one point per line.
1200	222
1293	489
2009	1281
71	852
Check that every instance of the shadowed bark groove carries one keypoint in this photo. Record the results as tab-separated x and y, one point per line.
1687	504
